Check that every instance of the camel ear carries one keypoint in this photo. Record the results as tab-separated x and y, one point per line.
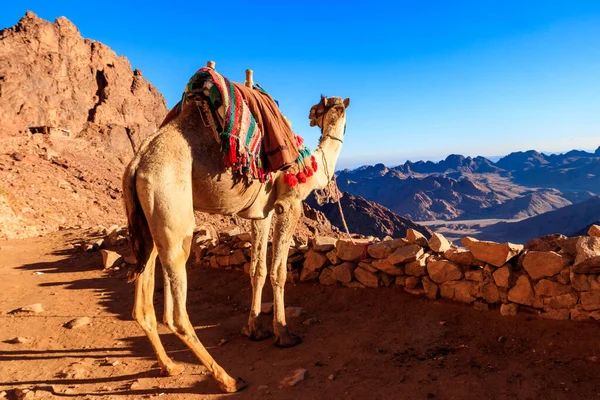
346	102
324	101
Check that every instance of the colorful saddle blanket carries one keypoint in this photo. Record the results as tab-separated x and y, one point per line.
255	137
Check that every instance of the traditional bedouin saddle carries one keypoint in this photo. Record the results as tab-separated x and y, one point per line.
255	137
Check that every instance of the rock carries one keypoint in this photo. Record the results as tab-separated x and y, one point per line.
78	323
354	285
386	279
443	271
333	258
237	257
244	237
594	231
30	309
430	288
368	266
548	288
267	308
294	312
343	272
559	315
564	301
580	282
406	254
545	243
481	306
474	275
294	378
522	292
492	253
588	255
387	267
502	276
412	282
590	301
367	278
417	267
418	291
308	275
539	264
19	340
490	292
509	309
323	243
401	280
397	243
326	277
415	237
110	259
314	261
579	314
348	251
564	276
462	257
569	245
463	291
380	250
438	243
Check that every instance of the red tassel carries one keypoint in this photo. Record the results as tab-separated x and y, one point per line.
232	150
299	141
290	180
313	163
301	177
309	171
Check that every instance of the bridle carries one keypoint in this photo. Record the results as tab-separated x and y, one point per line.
323	136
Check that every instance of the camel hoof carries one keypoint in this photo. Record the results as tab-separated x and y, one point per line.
289	340
240	385
172	370
257	335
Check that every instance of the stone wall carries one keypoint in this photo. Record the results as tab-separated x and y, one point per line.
553	276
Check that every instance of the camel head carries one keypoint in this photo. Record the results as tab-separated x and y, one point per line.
328	113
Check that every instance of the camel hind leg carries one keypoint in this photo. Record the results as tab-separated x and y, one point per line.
171	220
145	316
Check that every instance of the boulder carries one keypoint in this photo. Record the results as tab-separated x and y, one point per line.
110	259
462	257
496	254
380	250
522	292
548	288
540	264
463	291
509	309
354	285
406	254
590	301
502	276
431	289
78	323
314	261
564	301
490	293
386	279
587	260
367	264
367	278
564	276
417	267
411	282
443	270
343	272
580	282
557	314
237	257
474	275
326	277
308	275
333	258
438	243
387	267
324	243
594	231
569	245
415	237
348	251
397	243
545	243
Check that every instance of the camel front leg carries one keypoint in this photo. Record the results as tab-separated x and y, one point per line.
258	275
288	212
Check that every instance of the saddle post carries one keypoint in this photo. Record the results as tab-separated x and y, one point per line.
210	64
249	82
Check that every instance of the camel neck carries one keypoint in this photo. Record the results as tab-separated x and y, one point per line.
327	155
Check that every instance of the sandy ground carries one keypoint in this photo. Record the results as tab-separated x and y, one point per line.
374	343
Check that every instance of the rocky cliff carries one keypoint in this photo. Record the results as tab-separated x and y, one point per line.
51	76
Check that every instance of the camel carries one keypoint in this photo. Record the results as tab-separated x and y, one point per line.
181	169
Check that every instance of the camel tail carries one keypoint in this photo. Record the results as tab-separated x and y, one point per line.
140	238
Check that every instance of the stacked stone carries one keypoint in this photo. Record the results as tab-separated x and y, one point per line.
554	276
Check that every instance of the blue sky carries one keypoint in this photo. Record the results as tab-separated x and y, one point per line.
425	78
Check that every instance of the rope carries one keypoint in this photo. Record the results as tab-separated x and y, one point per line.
331	193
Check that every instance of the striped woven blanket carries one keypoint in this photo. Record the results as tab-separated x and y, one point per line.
241	136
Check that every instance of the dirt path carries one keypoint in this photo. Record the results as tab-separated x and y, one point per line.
377	344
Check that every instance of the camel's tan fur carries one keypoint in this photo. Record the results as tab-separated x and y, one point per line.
180	170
